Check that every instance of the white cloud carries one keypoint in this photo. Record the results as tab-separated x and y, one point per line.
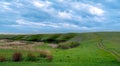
45	6
78	5
22	22
96	11
5	3
4	6
68	25
42	4
60	10
64	15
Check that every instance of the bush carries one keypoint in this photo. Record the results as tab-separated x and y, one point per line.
68	45
17	56
31	57
2	59
43	54
49	57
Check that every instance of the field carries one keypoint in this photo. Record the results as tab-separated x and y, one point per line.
94	49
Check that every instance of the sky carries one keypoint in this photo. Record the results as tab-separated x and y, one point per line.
58	16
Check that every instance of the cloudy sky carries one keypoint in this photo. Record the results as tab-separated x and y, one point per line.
50	16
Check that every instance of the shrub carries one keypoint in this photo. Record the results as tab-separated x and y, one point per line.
2	59
68	45
49	57
43	54
17	56
31	57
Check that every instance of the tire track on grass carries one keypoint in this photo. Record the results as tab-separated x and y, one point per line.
100	45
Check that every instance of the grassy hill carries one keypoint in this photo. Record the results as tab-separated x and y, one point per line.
94	49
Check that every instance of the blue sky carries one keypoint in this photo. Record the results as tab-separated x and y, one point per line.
54	16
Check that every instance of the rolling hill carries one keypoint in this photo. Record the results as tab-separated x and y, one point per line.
94	49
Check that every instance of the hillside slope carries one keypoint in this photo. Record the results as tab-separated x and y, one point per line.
95	49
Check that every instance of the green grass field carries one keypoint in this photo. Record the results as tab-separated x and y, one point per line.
95	49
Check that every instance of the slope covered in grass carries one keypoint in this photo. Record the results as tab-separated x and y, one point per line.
40	37
88	53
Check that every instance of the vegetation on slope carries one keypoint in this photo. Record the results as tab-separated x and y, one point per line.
86	54
68	45
50	38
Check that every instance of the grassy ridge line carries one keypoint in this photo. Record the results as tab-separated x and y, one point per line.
100	44
50	38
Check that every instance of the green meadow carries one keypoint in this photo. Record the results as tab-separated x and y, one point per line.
94	49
